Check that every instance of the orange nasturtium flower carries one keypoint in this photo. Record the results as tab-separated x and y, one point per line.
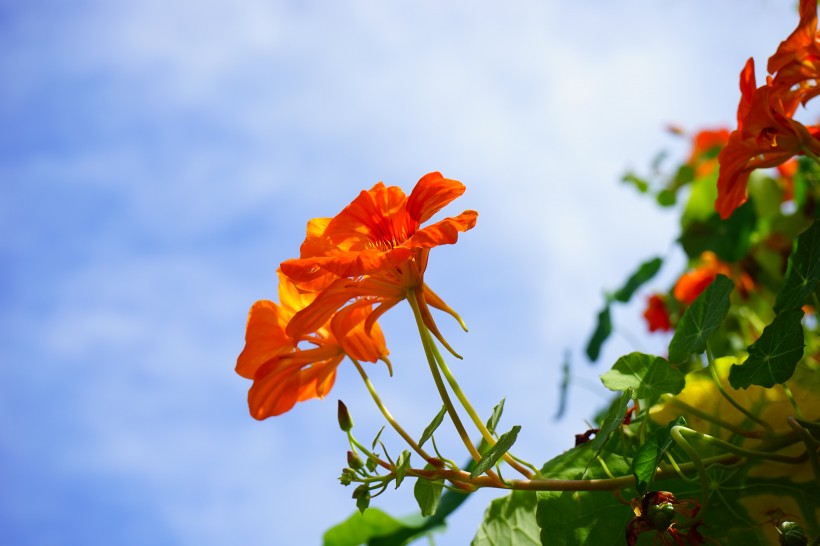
766	136
692	283
705	146
796	62
375	251
282	372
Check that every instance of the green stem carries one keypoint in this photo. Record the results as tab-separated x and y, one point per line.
677	436
791	399
442	390
750	453
479	424
708	417
387	415
719	385
811	446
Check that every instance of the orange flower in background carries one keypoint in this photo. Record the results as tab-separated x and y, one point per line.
283	373
766	137
796	63
376	251
656	314
692	283
704	145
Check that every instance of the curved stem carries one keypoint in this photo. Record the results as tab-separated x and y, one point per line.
677	436
708	417
387	415
719	385
479	424
811	446
429	347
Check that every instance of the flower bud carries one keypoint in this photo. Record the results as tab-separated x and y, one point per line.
354	461
792	534
345	421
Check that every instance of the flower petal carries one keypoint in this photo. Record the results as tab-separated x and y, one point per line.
432	193
265	337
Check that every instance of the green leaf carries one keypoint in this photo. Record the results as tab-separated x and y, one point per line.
362	496
492	422
360	528
613	419
639	183
428	493
376	439
701	319
645	272
649	455
431	428
510	521
650	376
569	518
802	272
774	356
564	388
602	331
729	238
402	464
495	453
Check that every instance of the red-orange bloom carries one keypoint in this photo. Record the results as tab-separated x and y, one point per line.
376	250
692	283
796	63
282	372
705	147
656	314
766	137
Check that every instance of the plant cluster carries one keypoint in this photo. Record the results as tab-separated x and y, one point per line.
715	442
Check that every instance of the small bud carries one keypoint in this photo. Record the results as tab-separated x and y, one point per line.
354	461
371	464
345	421
792	534
347	477
362	496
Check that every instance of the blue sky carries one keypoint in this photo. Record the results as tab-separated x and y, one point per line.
158	159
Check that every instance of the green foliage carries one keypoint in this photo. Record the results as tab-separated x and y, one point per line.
428	493
701	319
510	521
773	357
431	428
645	272
803	270
402	464
492	422
568	518
602	331
361	527
729	239
650	376
495	453
649	455
613	419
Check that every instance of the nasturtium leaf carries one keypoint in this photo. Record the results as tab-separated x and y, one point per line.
428	493
649	455
402	464
505	442
645	272
613	419
639	183
774	356
602	331
701	319
510	521
492	422
568	518
360	528
650	376
802	272
431	428
728	239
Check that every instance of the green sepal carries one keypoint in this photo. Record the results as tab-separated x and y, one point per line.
434	424
362	496
504	443
701	319
492	422
402	464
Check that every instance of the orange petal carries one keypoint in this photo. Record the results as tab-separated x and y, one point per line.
265	337
444	232
432	193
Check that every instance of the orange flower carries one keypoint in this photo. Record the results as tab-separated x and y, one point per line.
656	315
283	373
376	251
796	63
766	137
692	283
705	146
